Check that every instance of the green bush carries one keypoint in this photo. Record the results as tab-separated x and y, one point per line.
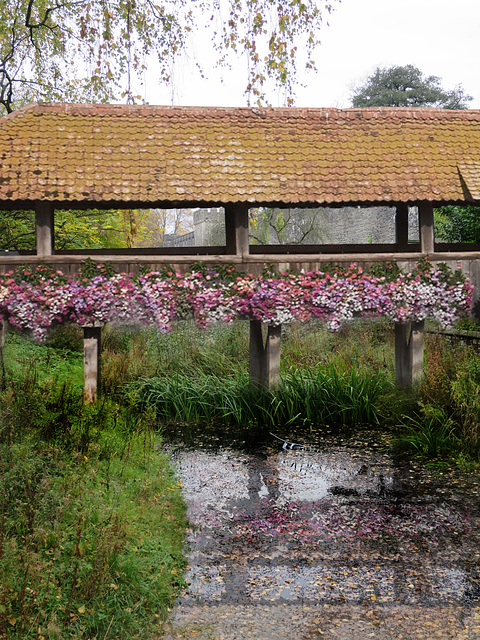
465	394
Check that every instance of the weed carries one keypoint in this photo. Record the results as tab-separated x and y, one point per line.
430	433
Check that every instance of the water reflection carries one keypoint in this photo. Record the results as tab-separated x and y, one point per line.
321	524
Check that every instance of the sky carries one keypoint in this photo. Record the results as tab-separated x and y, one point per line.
440	37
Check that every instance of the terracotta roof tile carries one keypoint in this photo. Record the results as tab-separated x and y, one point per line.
147	154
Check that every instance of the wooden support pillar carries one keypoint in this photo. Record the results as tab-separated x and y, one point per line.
426	227
236	229
3	332
44	228
265	358
256	362
3	337
409	350
401	227
92	344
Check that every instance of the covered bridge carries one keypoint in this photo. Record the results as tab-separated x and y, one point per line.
65	156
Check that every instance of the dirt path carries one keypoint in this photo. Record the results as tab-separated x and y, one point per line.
336	541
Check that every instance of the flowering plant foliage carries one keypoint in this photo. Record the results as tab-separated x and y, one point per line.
35	299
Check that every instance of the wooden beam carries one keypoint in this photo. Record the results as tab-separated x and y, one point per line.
44	228
236	230
401	227
3	337
10	260
92	344
426	227
272	355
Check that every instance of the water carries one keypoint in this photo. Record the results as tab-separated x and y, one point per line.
316	536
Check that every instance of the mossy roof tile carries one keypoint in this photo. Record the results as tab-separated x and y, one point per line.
147	154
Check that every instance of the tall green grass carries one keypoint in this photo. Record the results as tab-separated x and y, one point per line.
303	398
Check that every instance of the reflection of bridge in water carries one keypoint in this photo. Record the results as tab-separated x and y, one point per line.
331	541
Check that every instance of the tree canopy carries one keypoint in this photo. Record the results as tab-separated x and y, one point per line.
407	86
458	224
99	50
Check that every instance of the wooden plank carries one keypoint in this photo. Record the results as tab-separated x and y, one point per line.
150	251
44	228
287	249
10	260
212	259
426	227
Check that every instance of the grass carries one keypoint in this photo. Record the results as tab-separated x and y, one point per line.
88	544
307	398
92	519
44	362
222	351
430	434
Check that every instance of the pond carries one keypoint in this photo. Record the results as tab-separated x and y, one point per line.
321	536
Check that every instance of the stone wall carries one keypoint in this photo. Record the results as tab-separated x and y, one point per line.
326	225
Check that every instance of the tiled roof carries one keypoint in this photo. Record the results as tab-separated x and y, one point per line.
182	155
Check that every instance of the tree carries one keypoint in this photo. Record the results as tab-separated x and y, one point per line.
91	229
458	224
99	50
285	226
407	86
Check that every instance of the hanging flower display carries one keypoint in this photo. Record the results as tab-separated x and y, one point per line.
36	299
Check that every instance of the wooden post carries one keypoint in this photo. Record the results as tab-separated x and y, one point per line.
417	349
256	360
91	362
236	230
3	337
265	359
272	355
44	228
409	350
3	332
401	227
426	227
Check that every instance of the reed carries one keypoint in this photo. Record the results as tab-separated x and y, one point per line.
306	398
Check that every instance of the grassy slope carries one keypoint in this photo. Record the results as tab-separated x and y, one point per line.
93	520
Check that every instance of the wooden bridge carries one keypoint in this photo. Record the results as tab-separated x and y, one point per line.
74	157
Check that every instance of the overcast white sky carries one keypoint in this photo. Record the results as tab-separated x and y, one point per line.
440	37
